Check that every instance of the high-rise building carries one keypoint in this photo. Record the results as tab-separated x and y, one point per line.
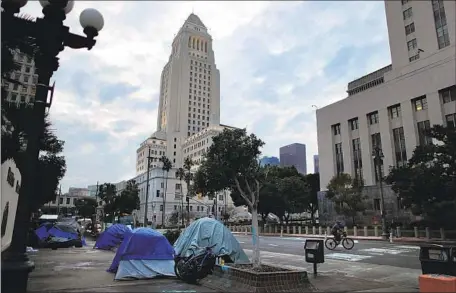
189	87
188	119
27	76
271	161
294	155
392	107
316	164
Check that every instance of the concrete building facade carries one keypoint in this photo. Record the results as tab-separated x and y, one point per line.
391	107
294	155
27	76
271	161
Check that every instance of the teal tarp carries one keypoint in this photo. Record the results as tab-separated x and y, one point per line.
206	232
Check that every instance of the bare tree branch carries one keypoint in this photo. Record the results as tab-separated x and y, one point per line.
249	203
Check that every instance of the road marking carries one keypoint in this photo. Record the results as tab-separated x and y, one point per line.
241	242
407	247
273	245
347	257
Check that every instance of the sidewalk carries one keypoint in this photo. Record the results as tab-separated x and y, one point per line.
370	238
77	270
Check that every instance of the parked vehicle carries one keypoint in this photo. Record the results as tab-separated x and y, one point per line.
196	266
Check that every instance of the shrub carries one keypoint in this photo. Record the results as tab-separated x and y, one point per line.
172	235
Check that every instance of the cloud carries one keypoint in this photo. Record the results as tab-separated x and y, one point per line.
276	60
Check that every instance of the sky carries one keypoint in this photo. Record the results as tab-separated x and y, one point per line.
276	60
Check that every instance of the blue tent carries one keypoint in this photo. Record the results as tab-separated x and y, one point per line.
144	253
112	237
207	232
59	232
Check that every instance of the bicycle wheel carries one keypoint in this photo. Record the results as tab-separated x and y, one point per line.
348	243
330	243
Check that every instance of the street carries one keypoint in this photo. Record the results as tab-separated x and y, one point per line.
397	265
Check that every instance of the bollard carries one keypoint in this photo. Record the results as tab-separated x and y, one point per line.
376	231
288	229
391	237
428	233
366	233
442	234
355	231
276	229
294	230
314	230
307	230
300	230
415	230
320	231
328	231
246	230
281	231
326	235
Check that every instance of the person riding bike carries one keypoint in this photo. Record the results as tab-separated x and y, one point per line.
337	230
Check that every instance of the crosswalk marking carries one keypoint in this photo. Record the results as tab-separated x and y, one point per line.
347	256
273	245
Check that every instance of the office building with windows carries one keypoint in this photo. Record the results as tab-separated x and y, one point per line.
24	91
393	106
316	164
294	155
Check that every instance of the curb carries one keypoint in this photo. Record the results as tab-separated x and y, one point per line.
395	240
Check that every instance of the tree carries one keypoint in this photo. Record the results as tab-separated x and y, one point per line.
166	166
293	190
346	193
108	192
188	177
427	183
128	201
180	174
311	200
232	163
86	207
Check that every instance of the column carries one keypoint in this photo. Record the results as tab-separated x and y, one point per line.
387	144
366	153
408	123
345	132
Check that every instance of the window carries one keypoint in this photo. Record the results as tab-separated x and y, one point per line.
376	141
451	120
339	158
161	208
372	118
354	123
336	129
158	193
448	94
5	218
357	160
395	111
413	58
441	26
178	186
61	201
412	45
175	207
220	197
407	13
420	103
410	28
162	185
68	201
423	128
399	146
191	208
376	204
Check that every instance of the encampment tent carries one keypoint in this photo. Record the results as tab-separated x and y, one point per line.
59	232
112	237
207	232
144	253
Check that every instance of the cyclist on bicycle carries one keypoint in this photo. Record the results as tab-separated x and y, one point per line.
337	229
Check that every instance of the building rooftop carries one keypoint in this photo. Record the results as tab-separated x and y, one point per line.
194	19
367	81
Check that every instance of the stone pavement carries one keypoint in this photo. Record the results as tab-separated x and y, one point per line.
78	270
74	270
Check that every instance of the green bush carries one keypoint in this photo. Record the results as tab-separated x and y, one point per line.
172	235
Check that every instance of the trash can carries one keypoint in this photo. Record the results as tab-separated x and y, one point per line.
438	259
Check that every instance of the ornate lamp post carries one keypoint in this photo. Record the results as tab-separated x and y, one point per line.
377	155
51	36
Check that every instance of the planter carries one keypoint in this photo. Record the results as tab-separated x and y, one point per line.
242	278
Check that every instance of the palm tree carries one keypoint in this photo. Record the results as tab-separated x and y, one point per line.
180	174
188	163
166	167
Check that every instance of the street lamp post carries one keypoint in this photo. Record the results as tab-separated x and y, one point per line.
149	158
51	37
377	154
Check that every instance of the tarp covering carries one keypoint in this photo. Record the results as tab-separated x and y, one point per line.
112	237
207	232
59	232
144	269
143	244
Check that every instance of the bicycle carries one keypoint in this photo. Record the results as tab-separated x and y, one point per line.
195	267
347	242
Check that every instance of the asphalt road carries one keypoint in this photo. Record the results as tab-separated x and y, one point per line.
364	251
